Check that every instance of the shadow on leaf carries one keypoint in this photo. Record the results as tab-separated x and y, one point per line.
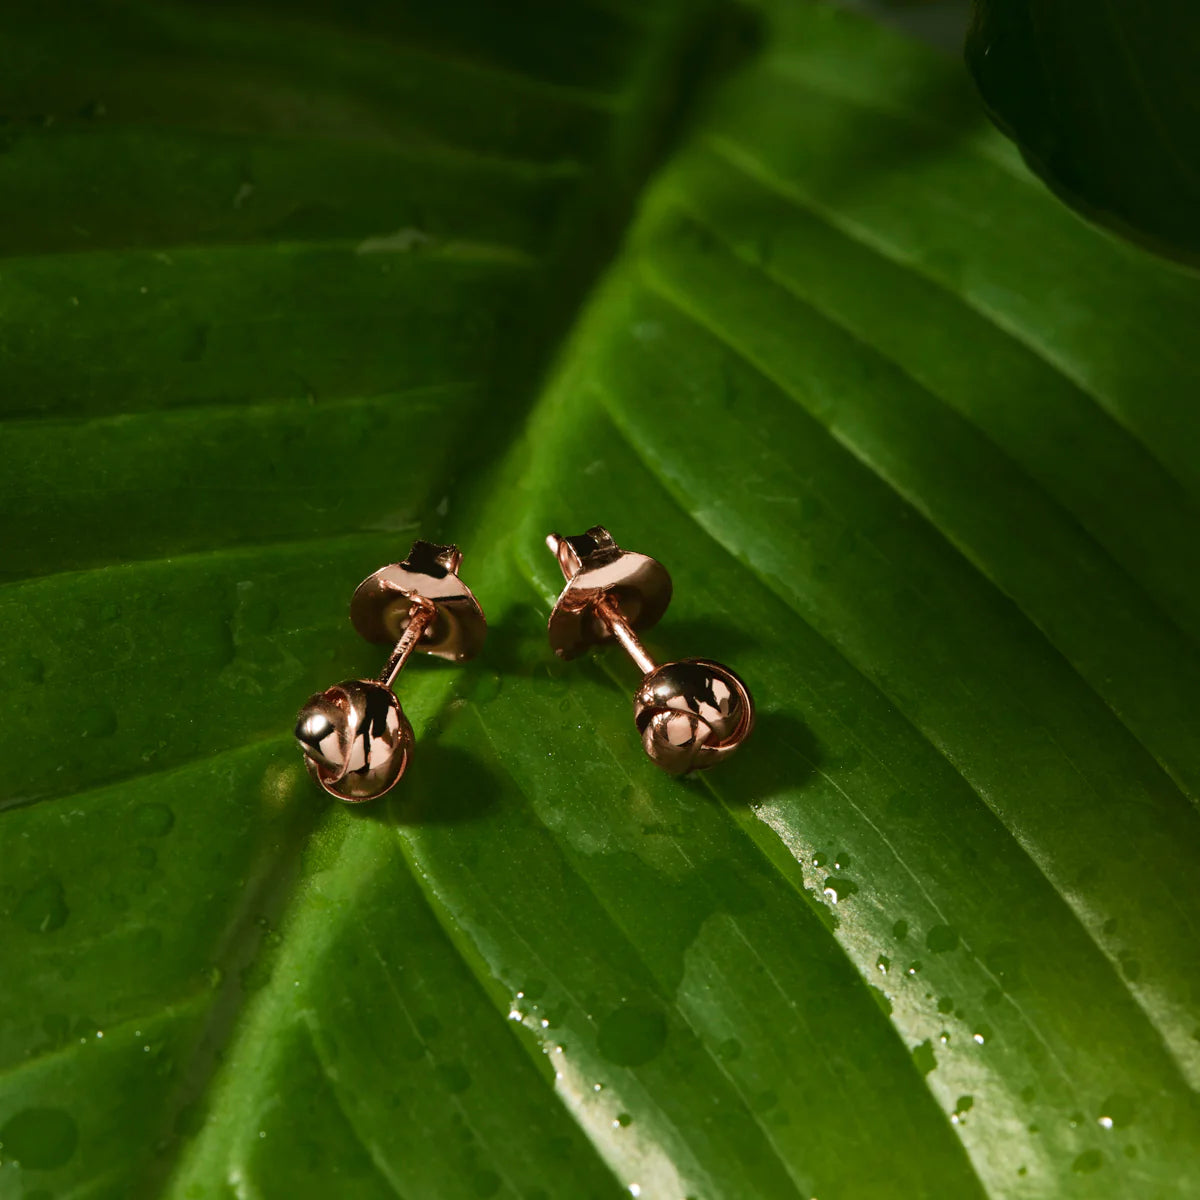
443	786
751	779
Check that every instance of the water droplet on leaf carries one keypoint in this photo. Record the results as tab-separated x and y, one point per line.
632	1035
152	820
924	1058
838	890
941	939
40	1139
43	908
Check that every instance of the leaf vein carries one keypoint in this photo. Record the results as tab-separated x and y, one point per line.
748	165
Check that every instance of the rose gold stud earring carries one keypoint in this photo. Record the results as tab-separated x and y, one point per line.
355	736
691	714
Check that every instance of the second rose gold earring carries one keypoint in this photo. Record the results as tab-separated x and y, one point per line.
690	714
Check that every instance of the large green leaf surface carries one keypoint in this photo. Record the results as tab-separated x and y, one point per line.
284	288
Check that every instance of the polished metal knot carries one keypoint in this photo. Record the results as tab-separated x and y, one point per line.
691	713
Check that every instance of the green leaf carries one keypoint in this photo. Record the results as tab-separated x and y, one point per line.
1102	100
279	289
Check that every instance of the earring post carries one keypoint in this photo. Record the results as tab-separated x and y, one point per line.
619	627
420	617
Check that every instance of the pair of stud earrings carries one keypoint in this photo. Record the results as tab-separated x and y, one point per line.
357	741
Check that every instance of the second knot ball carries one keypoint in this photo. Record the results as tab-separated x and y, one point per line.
691	714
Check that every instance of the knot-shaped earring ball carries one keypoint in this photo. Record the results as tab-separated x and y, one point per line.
356	739
691	714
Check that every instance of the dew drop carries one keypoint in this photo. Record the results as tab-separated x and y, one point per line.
632	1035
1119	1109
900	930
924	1058
40	1139
883	962
1087	1162
43	908
941	939
839	889
152	820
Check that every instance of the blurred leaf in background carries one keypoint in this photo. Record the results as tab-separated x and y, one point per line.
1104	100
285	286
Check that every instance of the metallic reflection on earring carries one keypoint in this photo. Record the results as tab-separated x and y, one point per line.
690	714
355	737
